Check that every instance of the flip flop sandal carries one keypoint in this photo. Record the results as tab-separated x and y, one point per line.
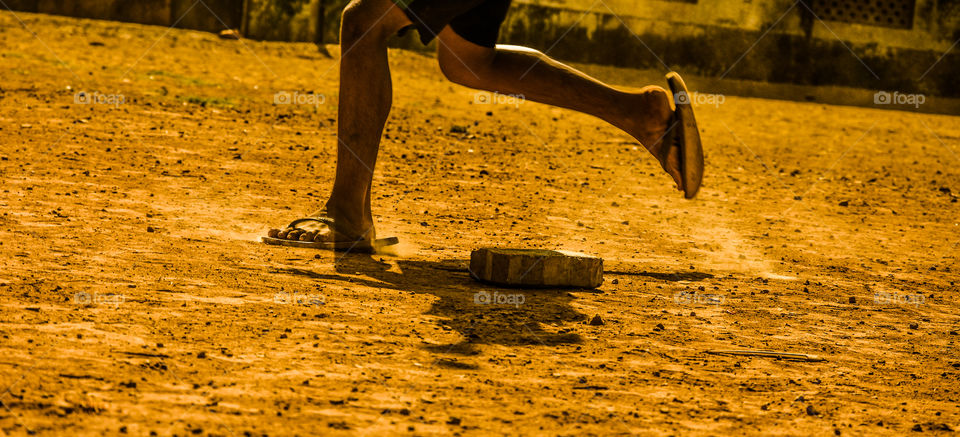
305	237
687	137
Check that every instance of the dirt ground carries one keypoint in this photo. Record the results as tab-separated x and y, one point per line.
137	299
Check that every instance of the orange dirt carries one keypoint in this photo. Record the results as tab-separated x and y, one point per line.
137	299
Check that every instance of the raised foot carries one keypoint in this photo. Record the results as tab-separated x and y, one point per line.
653	124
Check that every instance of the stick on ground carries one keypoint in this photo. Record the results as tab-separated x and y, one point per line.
770	354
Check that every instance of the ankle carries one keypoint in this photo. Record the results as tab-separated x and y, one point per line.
339	209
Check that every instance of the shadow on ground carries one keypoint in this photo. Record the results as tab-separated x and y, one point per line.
520	322
519	318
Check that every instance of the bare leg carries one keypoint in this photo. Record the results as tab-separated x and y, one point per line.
519	70
365	99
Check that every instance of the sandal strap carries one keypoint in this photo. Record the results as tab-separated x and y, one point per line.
325	220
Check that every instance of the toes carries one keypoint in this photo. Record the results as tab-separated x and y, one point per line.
294	234
323	237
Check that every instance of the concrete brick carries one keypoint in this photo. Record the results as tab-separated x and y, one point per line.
536	268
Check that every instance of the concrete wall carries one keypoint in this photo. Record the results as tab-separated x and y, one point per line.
159	12
767	40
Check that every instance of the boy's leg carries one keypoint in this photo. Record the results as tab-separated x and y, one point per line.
519	70
364	104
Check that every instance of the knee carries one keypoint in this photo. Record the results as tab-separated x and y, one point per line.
467	69
357	21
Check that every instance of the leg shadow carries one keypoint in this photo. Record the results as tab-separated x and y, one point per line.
482	314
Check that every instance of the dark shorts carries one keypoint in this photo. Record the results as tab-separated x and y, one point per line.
477	21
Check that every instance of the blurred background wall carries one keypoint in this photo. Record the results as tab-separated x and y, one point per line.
872	44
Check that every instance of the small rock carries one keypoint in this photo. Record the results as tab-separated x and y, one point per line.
659	327
453	421
917	428
615	281
151	229
229	34
845	203
852	299
202	355
914	325
597	321
812	411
